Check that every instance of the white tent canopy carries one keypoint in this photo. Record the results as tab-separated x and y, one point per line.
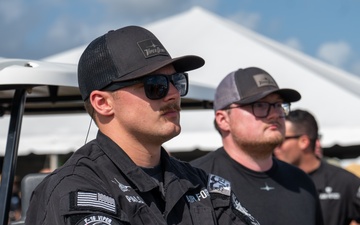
331	94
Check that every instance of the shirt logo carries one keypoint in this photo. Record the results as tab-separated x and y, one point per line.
267	188
218	185
122	187
329	194
152	47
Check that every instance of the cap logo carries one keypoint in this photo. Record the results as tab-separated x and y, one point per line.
152	47
264	80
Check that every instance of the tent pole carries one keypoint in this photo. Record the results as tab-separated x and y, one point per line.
54	159
10	158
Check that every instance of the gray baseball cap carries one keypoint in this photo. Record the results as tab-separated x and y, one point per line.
248	85
125	54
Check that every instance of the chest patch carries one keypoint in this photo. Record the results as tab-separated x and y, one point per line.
93	201
218	185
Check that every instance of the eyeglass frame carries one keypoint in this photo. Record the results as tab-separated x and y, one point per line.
293	137
286	112
169	78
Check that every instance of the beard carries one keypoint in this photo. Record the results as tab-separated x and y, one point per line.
260	148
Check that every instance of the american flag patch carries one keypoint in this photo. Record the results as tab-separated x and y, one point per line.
95	200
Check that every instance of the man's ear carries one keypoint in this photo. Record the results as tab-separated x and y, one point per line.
222	120
102	102
304	142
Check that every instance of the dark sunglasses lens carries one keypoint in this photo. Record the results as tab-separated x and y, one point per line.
180	82
156	87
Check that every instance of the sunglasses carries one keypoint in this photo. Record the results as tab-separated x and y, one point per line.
156	86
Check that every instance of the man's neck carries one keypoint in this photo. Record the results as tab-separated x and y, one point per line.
143	155
310	163
144	158
255	162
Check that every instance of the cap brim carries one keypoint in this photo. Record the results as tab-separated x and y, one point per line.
289	95
181	64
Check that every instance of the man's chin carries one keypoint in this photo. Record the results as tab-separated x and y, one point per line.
275	140
172	133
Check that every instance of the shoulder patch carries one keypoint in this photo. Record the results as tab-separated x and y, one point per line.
92	201
218	185
98	219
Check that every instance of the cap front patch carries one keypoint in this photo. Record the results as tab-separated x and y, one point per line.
264	80
152	47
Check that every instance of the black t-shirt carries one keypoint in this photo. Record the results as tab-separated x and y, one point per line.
339	194
282	195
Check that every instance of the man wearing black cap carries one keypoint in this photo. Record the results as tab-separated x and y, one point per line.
250	112
132	88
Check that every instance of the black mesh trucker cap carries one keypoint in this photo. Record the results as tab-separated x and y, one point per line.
248	85
125	54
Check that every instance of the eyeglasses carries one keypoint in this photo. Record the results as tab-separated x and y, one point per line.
156	86
262	109
292	137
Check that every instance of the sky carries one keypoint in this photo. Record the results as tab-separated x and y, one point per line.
325	29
